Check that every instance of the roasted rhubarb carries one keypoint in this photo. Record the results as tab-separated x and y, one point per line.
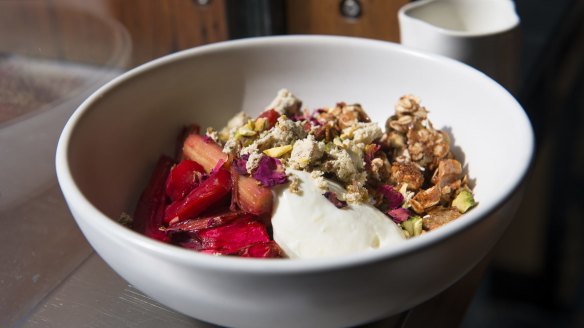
250	195
149	213
253	197
267	249
183	178
208	193
203	151
231	238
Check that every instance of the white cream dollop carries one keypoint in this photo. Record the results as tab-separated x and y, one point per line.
307	225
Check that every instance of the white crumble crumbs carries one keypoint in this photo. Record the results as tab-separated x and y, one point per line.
213	134
253	161
305	151
340	144
294	185
318	177
366	133
285	103
341	164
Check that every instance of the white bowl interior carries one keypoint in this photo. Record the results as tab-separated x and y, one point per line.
113	141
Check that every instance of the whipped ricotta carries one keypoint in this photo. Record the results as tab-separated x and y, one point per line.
307	225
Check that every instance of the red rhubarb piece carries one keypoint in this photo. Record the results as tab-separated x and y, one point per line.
201	198
183	178
186	240
250	196
271	116
206	222
149	212
203	151
253	197
229	239
262	250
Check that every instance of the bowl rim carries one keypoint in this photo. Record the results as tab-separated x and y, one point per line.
79	204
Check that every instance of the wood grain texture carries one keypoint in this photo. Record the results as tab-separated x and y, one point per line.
81	30
159	27
377	21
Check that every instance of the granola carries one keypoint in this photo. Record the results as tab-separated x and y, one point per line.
341	143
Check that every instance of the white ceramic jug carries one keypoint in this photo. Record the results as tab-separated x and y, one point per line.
481	33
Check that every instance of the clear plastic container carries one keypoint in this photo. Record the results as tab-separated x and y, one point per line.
52	55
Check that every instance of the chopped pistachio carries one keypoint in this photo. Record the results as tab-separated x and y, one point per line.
260	124
247	130
223	136
126	219
463	201
278	151
412	226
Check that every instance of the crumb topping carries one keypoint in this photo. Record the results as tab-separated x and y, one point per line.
341	143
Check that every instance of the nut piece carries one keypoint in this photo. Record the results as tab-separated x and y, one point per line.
439	216
278	151
426	199
407	173
412	136
447	172
348	115
463	201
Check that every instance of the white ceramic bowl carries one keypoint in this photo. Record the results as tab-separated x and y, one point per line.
108	148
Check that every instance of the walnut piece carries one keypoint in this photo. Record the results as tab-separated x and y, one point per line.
439	216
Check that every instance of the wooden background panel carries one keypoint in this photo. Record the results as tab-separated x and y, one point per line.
378	19
73	30
161	27
200	24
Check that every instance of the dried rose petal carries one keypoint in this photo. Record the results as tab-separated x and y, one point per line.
394	198
370	151
332	197
208	139
399	215
269	172
313	118
240	164
298	117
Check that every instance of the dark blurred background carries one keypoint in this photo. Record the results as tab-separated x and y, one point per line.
536	275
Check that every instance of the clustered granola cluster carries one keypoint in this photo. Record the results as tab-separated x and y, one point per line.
407	171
